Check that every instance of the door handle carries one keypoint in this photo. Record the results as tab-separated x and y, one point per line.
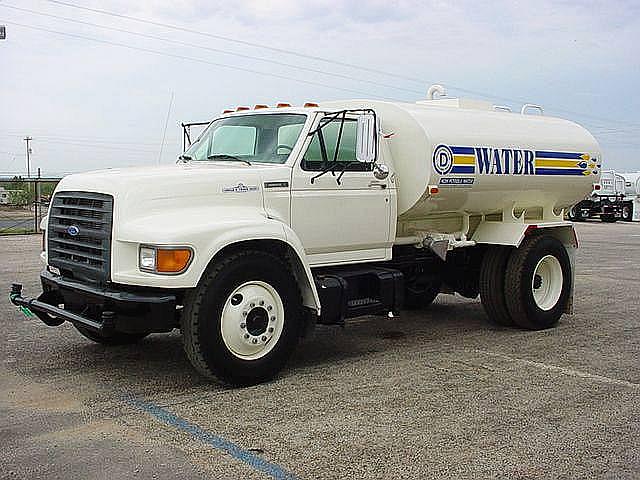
377	185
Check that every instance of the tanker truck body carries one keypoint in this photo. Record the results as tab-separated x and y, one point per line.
277	219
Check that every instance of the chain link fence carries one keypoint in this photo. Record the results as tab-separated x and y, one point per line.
23	203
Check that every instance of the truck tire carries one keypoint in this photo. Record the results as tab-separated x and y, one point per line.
115	338
244	319
538	282
492	284
627	212
575	214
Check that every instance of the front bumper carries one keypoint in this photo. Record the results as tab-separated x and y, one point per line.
101	309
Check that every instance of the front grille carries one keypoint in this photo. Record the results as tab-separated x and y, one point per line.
85	256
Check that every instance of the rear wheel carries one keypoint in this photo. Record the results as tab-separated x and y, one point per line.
243	321
492	284
538	283
114	338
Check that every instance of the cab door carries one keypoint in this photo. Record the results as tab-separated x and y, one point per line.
341	215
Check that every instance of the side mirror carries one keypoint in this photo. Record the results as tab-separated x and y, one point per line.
366	138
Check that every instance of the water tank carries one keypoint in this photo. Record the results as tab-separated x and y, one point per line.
480	159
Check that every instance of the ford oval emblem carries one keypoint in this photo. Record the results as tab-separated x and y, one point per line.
73	230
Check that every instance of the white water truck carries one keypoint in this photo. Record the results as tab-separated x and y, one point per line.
606	201
279	218
631	201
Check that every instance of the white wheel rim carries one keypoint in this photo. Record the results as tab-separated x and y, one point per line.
546	284
252	320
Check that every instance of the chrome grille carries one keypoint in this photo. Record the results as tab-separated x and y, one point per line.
86	255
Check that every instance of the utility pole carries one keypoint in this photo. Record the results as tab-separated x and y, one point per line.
27	139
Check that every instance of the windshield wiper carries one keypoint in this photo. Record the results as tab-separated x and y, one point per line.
228	158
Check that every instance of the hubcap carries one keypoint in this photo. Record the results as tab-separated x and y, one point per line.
252	320
546	284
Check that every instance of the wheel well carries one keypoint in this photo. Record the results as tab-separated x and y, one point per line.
283	250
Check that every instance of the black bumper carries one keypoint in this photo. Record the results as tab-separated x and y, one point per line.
101	309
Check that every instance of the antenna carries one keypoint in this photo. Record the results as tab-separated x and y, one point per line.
164	132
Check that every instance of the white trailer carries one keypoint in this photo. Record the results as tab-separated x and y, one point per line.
279	218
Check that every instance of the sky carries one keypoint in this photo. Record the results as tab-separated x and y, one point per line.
94	97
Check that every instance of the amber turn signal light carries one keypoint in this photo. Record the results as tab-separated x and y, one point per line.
172	261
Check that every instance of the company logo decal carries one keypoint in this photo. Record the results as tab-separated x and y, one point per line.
73	230
443	160
510	161
240	188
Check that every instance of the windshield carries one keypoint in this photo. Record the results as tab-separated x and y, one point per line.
266	138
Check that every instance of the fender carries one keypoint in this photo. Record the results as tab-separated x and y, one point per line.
270	229
512	233
207	233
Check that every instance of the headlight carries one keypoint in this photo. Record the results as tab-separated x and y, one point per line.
166	260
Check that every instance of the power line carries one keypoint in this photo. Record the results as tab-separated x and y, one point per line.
198	60
89	139
217	50
235	40
316	58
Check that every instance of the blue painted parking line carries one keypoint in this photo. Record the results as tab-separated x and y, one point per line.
215	441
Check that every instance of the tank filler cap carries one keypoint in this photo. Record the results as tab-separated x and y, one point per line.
436	89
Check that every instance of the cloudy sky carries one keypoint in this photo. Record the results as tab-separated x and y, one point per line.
93	85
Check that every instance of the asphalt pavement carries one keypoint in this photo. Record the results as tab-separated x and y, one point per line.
441	393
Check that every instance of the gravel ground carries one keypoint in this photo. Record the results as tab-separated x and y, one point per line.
437	394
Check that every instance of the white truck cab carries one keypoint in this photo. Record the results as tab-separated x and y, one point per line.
275	219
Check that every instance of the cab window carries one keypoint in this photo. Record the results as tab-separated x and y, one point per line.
346	159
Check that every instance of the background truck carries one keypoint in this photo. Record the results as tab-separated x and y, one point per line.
279	218
631	200
606	201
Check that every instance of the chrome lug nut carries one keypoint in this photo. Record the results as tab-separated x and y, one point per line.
273	319
246	335
269	308
252	304
261	302
255	340
264	339
270	329
242	325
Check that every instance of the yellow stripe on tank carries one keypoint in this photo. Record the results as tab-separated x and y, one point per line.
557	163
464	160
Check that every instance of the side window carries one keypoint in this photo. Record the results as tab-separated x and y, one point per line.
313	160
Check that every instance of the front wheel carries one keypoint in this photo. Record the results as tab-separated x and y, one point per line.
243	321
538	283
627	212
